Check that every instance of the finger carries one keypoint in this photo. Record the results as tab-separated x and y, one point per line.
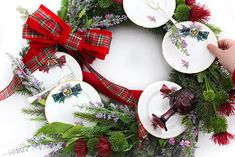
226	43
217	52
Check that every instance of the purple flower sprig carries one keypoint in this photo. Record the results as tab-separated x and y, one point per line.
106	116
108	20
111	113
177	38
171	141
29	82
185	143
36	143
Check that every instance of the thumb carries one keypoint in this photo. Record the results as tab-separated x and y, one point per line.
214	50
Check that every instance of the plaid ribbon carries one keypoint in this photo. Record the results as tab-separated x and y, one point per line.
45	31
53	62
121	94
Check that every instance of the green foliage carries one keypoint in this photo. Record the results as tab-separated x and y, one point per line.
73	132
226	84
86	132
24	12
209	95
54	128
218	124
36	112
118	154
86	116
178	2
187	121
22	90
182	12
91	145
62	13
69	148
23	51
162	142
215	29
119	142
126	118
220	98
105	3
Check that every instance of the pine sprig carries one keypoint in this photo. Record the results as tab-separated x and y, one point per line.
36	143
24	12
35	113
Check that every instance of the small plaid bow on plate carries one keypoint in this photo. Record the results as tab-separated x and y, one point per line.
194	31
53	62
67	92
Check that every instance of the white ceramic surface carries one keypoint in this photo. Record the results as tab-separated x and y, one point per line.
153	102
199	58
142	14
56	74
64	111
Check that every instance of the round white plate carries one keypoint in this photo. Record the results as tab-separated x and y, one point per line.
64	111
152	102
199	58
70	71
142	14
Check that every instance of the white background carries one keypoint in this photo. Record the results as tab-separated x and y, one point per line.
134	61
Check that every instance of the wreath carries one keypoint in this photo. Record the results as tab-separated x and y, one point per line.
118	131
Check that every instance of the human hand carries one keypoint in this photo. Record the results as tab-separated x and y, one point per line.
225	53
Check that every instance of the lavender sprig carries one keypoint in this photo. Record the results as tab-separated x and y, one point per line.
29	82
177	38
109	20
112	112
36	143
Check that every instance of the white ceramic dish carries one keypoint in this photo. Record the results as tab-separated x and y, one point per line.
153	102
64	111
199	58
71	68
142	14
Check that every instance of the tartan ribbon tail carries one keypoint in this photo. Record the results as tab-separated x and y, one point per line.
121	94
10	89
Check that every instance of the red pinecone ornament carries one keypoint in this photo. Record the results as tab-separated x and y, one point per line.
227	109
81	148
199	13
190	2
103	147
223	138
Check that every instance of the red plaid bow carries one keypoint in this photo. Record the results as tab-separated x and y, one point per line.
53	62
45	30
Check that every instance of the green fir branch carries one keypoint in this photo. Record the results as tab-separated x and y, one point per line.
24	12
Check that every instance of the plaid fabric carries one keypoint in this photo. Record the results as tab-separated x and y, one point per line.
96	39
10	89
122	94
73	42
35	62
